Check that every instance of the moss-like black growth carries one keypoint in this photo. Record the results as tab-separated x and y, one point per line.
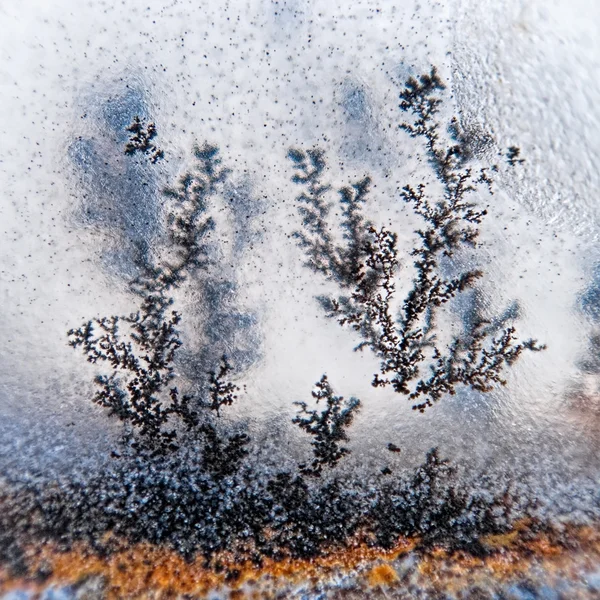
365	265
176	501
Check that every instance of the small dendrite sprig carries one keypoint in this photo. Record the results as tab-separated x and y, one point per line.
328	427
340	262
141	140
222	453
221	392
140	348
366	264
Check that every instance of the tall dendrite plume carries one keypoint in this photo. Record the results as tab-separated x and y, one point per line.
140	348
365	265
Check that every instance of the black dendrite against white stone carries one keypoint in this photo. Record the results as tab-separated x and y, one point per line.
328	427
365	264
140	348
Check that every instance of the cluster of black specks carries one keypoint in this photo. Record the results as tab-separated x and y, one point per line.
366	265
327	427
141	140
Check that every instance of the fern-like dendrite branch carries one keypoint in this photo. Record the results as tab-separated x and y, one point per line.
328	427
365	265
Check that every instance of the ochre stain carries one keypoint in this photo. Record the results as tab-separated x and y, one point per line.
383	574
144	570
135	571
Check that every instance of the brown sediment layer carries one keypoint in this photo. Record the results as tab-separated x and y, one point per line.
143	569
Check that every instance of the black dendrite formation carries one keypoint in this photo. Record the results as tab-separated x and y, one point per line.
141	140
222	452
140	348
328	427
365	264
221	391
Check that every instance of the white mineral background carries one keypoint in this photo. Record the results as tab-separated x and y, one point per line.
256	78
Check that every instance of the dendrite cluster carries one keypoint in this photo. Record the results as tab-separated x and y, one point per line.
365	264
185	484
140	349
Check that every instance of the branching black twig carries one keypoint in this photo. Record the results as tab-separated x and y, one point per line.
140	348
142	367
188	225
328	427
222	453
221	392
341	263
366	264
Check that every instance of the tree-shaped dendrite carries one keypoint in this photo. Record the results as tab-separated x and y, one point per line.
365	264
327	427
140	348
